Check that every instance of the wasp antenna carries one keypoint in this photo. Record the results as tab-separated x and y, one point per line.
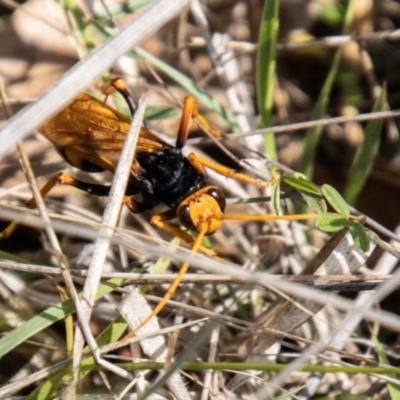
128	98
119	85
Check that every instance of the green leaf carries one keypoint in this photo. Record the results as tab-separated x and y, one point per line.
359	235
364	158
296	181
315	203
331	222
336	200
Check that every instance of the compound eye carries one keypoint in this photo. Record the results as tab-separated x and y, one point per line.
183	214
216	194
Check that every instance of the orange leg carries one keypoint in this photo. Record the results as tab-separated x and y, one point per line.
199	162
31	203
196	247
64	179
158	220
189	113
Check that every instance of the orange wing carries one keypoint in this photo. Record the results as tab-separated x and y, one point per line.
91	130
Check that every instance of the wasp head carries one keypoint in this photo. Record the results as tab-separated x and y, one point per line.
202	210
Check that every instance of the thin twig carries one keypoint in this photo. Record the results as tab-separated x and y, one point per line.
328	282
320	122
327	42
102	244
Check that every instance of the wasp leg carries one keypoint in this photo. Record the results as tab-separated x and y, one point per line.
158	221
171	290
133	205
190	112
59	178
64	179
199	163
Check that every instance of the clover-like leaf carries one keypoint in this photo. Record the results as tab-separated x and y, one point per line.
315	203
295	181
331	222
336	200
359	235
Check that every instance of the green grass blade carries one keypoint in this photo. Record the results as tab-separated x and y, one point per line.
266	366
190	86
81	21
394	390
51	387
364	158
48	317
266	64
312	136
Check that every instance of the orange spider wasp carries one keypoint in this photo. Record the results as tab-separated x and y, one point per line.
89	135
